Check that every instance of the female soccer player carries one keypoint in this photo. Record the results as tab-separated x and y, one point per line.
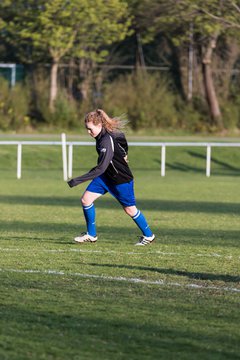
112	174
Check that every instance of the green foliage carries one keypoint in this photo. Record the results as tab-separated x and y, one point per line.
207	17
150	103
14	106
101	25
193	116
65	114
201	21
21	20
144	97
49	31
57	28
231	116
16	113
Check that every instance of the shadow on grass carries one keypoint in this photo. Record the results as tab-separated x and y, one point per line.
144	204
190	275
103	326
215	161
79	335
223	168
62	233
228	171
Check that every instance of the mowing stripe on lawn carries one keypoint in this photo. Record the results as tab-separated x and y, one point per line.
123	279
229	257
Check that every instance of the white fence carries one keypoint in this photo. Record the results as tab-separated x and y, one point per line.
67	151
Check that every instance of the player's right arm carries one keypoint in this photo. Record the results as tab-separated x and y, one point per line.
105	156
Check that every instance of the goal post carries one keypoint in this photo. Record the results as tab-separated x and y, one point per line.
12	70
12	73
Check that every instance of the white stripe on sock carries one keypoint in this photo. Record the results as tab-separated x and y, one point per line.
87	207
137	215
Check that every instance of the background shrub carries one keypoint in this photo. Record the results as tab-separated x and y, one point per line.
66	113
14	106
144	97
147	100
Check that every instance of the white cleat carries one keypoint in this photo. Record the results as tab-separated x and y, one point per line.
85	237
145	240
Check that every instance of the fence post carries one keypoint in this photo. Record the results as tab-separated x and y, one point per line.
13	75
64	157
19	161
163	160
70	160
208	162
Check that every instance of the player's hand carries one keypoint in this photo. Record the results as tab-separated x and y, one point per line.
71	183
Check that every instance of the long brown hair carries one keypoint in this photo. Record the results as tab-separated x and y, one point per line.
110	124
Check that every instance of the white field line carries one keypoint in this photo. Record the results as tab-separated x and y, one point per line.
229	257
121	278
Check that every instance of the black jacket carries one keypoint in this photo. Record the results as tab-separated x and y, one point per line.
112	149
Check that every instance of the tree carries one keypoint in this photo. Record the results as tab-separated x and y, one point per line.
103	25
208	20
80	28
61	28
20	18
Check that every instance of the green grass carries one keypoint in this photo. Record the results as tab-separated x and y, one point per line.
82	302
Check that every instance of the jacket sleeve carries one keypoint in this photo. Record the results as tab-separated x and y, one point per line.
104	158
123	145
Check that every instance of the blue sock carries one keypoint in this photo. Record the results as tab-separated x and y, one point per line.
142	224
89	213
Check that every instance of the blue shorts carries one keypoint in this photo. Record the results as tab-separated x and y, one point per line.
124	193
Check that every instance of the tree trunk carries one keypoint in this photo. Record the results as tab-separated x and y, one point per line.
226	62
85	69
140	62
211	95
53	86
179	69
70	78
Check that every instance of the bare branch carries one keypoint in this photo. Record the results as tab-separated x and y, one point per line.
236	6
226	22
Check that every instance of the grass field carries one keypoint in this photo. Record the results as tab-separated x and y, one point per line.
176	299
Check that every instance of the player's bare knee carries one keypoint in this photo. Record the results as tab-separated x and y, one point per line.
84	201
130	210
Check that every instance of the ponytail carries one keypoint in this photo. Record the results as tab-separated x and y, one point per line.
110	124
